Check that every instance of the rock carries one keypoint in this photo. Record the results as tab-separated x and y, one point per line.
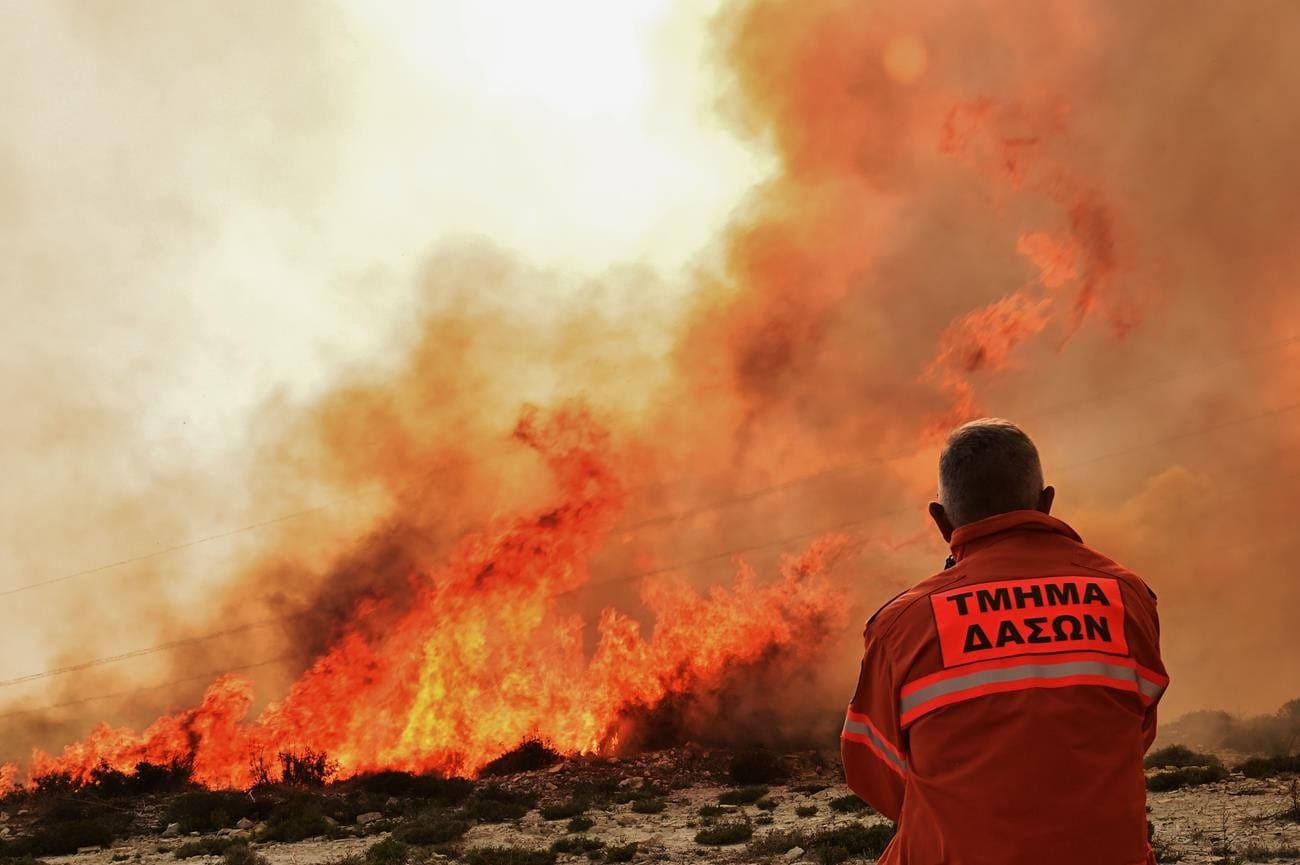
793	853
23	812
625	820
331	821
244	823
393	802
224	832
172	830
632	781
558	767
369	817
92	849
4	831
4	816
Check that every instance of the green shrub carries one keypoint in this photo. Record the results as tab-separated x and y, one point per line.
624	853
431	830
580	824
850	804
390	851
805	810
213	846
508	856
1177	757
1188	776
743	795
577	844
649	806
757	766
724	833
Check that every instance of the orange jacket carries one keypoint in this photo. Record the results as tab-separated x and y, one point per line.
1005	704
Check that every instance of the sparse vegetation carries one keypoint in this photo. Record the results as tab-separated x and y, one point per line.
209	810
710	811
1178	757
724	833
297	819
493	804
805	811
390	851
508	856
431	830
242	854
306	768
213	846
757	766
850	804
766	804
625	853
580	824
443	791
1267	767
1187	776
563	810
577	844
653	805
743	795
829	846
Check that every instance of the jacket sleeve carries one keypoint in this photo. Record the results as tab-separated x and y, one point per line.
1144	645
872	743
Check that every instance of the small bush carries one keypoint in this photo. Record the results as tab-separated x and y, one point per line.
528	757
1188	776
444	791
810	789
711	811
577	844
580	824
508	856
1178	757
766	804
563	810
431	831
208	810
297	820
805	810
743	795
64	838
1267	767
206	847
724	833
242	854
390	851
621	854
856	839
649	806
498	805
850	804
144	779
757	766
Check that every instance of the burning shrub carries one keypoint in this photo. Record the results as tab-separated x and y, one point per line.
508	856
1177	757
147	778
306	768
757	766
742	795
1188	776
724	833
850	804
528	757
431	831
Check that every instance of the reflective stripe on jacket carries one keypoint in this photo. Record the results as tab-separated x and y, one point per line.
1005	704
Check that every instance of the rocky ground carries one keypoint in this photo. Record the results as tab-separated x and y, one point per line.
673	806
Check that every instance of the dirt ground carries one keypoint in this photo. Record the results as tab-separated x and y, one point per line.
1234	820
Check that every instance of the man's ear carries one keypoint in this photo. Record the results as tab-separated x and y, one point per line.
940	517
1045	499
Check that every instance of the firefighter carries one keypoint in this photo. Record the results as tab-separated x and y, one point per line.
1005	703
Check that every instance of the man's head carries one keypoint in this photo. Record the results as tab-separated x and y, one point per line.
987	467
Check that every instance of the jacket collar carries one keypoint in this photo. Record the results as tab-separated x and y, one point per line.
974	536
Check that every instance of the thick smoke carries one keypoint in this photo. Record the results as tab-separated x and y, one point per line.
1075	218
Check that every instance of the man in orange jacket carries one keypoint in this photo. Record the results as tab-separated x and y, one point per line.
1005	703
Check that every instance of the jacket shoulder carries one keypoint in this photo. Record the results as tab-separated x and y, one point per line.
1090	559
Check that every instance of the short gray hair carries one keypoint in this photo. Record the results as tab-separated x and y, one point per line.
988	467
